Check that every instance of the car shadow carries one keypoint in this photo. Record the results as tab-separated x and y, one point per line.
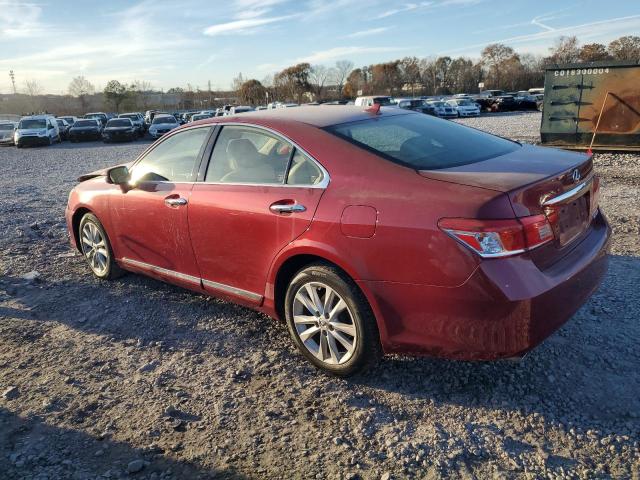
76	454
589	368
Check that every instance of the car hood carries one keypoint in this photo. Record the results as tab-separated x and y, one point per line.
526	165
82	129
102	172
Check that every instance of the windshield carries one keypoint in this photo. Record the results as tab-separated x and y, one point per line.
6	126
422	142
119	123
85	123
158	120
466	103
132	117
437	104
32	124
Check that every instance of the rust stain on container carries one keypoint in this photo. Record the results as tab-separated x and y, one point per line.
574	96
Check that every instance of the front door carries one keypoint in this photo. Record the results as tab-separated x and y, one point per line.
151	219
259	194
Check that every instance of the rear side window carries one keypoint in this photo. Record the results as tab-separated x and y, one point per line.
248	155
423	142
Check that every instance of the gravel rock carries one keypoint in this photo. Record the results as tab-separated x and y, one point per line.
10	393
135	466
203	388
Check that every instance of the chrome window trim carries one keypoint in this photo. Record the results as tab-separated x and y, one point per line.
195	280
325	174
566	196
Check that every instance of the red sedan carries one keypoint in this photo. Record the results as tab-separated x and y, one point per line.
369	232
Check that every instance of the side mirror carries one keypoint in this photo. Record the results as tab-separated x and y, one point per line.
119	175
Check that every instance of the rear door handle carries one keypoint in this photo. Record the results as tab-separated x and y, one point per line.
287	208
175	202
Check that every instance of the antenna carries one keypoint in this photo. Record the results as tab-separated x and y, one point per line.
13	81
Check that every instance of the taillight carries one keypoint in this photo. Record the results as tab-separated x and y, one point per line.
499	238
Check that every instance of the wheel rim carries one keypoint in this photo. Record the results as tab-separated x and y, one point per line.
94	248
324	323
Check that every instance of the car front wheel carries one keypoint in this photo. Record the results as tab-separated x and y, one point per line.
96	248
331	322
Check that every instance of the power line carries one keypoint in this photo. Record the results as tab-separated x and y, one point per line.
13	81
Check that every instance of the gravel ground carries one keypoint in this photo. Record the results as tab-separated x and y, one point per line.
138	379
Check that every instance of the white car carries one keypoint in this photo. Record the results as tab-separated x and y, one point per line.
162	123
464	107
37	130
369	101
7	130
443	109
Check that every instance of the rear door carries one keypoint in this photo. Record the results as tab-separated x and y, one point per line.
259	193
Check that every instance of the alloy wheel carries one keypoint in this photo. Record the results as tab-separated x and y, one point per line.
94	248
324	323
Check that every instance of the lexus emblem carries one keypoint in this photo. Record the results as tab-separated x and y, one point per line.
575	175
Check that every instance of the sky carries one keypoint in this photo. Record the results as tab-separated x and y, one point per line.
173	43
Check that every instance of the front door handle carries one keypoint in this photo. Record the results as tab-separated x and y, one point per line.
287	208
175	202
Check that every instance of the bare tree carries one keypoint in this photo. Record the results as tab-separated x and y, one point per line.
593	52
565	50
626	48
318	76
33	90
81	88
341	72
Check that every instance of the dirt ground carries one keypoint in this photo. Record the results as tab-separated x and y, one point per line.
138	379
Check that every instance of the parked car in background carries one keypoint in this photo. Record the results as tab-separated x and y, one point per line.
161	124
7	131
464	107
85	129
199	116
240	109
491	93
443	109
119	129
382	100
37	130
296	213
100	116
70	119
505	103
63	126
417	105
138	121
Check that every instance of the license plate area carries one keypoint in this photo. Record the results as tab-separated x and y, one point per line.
572	219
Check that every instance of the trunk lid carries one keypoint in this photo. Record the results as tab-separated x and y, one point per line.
537	180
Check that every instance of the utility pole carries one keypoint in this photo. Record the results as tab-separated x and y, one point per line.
13	81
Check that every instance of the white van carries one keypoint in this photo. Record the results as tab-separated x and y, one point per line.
382	100
37	130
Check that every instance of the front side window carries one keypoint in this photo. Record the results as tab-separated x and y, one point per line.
422	142
173	160
248	155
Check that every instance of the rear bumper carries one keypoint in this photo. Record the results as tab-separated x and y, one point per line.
506	308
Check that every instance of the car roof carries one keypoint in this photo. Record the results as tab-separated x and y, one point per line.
318	116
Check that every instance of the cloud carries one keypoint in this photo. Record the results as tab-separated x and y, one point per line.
366	33
339	52
243	26
20	20
591	30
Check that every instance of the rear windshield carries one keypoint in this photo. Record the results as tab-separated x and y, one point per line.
158	120
27	124
132	117
123	122
423	142
85	123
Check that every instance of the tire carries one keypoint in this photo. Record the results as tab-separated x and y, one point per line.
50	141
96	248
18	145
322	344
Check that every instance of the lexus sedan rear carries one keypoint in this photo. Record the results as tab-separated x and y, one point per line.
369	231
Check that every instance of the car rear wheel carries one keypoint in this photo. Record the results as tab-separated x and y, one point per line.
96	248
331	322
